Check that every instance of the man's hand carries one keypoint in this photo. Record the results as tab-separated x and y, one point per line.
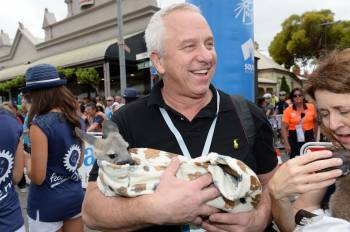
182	202
237	222
255	220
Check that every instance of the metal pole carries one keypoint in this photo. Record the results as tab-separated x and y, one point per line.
122	73
107	81
325	25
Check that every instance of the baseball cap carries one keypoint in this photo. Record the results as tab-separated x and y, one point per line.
267	95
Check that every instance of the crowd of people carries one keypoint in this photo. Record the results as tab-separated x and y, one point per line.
95	112
294	120
184	114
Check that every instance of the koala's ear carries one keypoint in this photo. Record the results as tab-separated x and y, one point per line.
109	126
86	137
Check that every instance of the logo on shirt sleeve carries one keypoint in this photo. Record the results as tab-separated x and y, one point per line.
71	158
6	164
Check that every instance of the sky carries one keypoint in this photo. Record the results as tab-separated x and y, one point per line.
268	14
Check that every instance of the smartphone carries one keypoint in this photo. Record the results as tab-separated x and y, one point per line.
315	146
337	153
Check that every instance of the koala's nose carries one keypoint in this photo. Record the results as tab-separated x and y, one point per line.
127	161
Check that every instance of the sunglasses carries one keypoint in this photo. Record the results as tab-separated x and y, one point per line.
297	95
282	95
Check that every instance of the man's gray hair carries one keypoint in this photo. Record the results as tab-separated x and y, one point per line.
155	30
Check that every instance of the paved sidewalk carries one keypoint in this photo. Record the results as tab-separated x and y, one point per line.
23	202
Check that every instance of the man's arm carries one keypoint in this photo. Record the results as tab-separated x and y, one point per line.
254	220
174	202
104	213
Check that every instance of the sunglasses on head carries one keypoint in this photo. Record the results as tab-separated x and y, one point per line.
297	95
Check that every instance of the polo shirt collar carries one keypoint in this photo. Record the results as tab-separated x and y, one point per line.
156	100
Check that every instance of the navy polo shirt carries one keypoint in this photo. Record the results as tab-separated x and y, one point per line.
141	125
10	211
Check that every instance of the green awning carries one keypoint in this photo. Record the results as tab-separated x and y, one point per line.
9	73
91	53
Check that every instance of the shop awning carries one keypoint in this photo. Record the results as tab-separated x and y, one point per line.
88	54
135	43
9	73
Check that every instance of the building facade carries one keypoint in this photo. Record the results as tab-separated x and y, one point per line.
87	37
270	75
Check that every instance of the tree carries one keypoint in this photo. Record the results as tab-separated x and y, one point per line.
308	36
284	85
88	76
67	72
11	84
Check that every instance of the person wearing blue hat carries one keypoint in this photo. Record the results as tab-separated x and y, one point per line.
130	95
11	171
55	194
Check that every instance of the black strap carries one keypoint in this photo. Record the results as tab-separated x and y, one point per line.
245	117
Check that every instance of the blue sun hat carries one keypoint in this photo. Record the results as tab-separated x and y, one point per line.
130	93
42	76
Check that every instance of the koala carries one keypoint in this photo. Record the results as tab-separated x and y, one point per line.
340	200
111	147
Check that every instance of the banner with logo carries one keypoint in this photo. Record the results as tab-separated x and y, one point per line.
232	24
89	160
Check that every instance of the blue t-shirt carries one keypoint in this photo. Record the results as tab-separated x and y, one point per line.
10	211
61	195
98	119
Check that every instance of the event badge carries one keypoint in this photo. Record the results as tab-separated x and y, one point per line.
300	133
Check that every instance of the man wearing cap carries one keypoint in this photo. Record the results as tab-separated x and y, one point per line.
130	95
268	107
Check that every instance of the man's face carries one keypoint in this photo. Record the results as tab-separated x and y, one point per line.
189	62
118	99
110	102
267	100
282	97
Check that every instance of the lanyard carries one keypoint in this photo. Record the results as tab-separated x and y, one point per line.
178	136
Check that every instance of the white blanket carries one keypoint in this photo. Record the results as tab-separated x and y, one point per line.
238	184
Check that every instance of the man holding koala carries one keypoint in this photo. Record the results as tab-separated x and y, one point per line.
184	114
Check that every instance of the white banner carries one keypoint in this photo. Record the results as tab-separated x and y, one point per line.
88	162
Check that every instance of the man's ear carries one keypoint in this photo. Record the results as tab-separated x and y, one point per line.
157	62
